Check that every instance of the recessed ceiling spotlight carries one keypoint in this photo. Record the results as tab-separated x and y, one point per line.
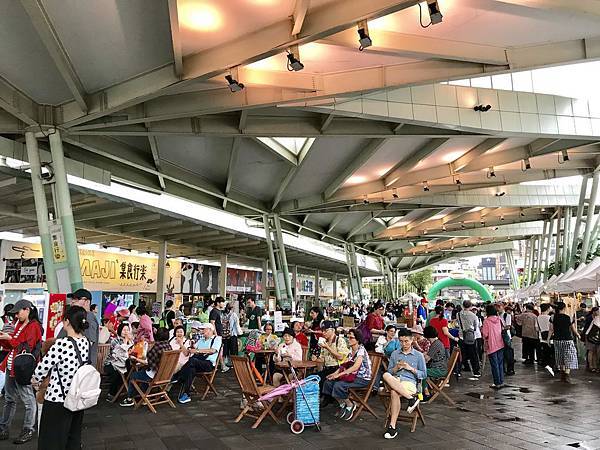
363	35
234	85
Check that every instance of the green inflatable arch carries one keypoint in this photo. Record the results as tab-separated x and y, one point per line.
446	282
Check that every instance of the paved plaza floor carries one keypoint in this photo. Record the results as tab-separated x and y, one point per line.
534	411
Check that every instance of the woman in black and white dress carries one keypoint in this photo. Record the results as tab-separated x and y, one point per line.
60	428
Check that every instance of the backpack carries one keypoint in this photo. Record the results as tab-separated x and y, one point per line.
85	387
364	330
25	361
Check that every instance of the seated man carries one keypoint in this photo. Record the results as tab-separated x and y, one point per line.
152	361
203	359
405	369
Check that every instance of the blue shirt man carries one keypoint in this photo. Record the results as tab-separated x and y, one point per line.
414	359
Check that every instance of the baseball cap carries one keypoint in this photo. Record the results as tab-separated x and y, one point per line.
207	325
195	325
79	293
327	324
21	304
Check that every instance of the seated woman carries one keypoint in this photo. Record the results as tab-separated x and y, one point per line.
288	350
268	341
117	361
176	323
334	351
151	362
354	373
387	343
436	358
180	342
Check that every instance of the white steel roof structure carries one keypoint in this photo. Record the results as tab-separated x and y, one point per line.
360	146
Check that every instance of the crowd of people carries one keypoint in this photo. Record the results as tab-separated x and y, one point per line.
411	355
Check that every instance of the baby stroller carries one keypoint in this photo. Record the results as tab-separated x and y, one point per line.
306	403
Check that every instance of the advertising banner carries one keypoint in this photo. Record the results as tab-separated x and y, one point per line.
56	309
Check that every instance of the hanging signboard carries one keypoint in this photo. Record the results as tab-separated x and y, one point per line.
59	253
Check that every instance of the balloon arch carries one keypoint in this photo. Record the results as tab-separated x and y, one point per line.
467	282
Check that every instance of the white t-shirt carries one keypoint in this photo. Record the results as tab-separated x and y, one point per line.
506	319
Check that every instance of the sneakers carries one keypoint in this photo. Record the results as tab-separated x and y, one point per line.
25	436
550	370
184	398
350	412
412	405
225	369
127	402
426	399
110	398
340	412
391	433
476	375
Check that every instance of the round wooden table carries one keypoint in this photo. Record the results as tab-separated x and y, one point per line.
268	354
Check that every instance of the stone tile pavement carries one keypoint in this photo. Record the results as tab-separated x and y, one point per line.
534	411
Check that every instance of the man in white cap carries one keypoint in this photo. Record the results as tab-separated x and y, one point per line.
204	359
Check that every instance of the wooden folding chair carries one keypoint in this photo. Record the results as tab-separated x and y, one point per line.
156	391
251	393
103	351
362	395
209	377
305	353
412	418
438	385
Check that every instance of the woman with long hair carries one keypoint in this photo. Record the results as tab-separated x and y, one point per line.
316	318
562	329
60	428
117	362
27	336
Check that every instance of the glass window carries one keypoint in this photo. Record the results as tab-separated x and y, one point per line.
503	82
482	82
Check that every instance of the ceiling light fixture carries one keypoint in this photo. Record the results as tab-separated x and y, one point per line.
425	186
395	193
522	214
435	15
491	173
363	35
500	194
527	164
366	200
482	108
293	56
444	228
458	181
565	156
234	85
502	217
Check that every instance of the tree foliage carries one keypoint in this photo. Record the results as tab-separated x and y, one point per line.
421	281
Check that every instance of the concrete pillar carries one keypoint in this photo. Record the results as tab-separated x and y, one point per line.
223	277
334	279
567	233
526	263
577	228
265	282
294	287
539	266
65	213
161	278
282	258
317	281
532	253
559	233
41	211
590	216
548	247
272	258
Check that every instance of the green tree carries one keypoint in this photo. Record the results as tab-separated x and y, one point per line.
421	281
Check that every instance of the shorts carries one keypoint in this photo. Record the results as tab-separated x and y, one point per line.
409	386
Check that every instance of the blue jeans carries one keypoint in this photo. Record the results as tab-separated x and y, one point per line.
339	389
497	366
140	375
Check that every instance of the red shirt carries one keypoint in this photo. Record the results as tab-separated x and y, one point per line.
438	324
302	339
32	334
375	322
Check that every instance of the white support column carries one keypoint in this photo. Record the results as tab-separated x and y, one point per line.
334	279
590	216
548	248
580	208
265	282
272	259
317	281
568	216
223	277
559	235
540	253
160	278
294	287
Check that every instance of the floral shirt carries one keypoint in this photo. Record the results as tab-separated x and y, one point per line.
364	371
339	345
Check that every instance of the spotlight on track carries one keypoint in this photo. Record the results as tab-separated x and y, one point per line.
366	200
502	217
395	193
491	173
293	56
425	186
435	15
565	155
526	164
363	35
234	85
500	194
482	108
458	181
444	228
